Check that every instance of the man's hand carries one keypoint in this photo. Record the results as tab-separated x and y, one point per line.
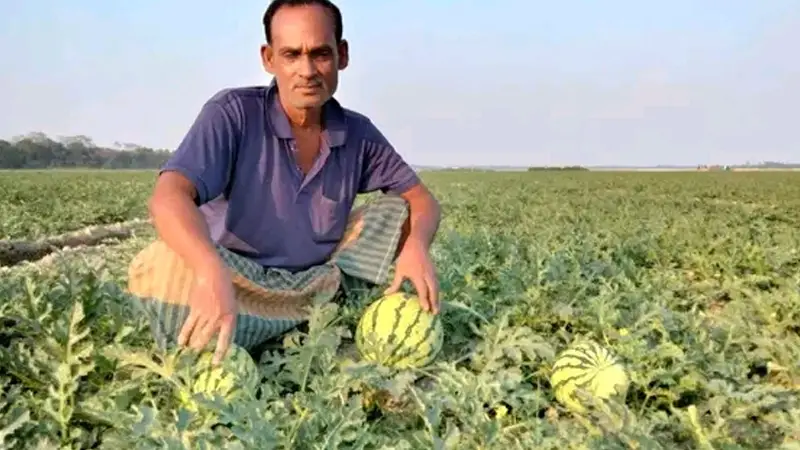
414	264
213	311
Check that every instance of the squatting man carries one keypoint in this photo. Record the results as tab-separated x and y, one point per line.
271	172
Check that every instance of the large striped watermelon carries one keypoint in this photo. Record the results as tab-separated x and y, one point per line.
396	332
591	368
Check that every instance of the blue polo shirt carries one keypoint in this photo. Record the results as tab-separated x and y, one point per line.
239	153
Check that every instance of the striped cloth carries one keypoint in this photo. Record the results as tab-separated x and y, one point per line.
271	301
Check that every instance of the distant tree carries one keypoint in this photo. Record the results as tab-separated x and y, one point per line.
38	151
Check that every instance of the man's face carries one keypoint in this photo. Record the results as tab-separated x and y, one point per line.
304	56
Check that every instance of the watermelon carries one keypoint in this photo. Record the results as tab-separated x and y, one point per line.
589	367
236	377
396	332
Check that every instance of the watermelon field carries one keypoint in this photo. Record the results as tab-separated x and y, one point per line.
691	279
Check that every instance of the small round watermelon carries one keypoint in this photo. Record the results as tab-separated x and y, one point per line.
236	377
589	367
396	332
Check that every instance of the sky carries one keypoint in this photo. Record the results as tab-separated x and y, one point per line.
449	83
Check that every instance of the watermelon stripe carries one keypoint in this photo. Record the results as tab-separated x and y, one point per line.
405	354
567	359
571	373
409	331
598	352
572	366
398	316
436	343
423	341
580	381
590	354
372	321
577	374
421	358
375	310
425	358
580	351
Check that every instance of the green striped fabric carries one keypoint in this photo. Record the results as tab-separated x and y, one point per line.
361	262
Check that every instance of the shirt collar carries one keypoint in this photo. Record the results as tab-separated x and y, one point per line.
333	119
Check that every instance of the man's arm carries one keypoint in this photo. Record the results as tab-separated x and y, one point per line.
196	173
424	216
387	171
180	225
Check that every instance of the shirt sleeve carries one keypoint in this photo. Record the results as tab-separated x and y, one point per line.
205	155
383	168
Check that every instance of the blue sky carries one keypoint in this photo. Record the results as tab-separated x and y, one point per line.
455	83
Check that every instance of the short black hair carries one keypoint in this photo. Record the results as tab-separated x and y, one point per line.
275	5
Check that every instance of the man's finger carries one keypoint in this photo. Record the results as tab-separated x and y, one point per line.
224	339
396	283
422	292
202	334
188	327
433	293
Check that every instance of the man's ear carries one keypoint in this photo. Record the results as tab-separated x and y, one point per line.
344	54
267	58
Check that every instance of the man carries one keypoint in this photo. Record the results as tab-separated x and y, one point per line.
265	179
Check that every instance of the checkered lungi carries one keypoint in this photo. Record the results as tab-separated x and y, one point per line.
271	301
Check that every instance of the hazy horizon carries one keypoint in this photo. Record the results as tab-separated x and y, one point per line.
522	84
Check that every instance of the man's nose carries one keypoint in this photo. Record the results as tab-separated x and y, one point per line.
306	67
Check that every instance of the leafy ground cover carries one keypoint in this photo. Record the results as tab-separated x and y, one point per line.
37	204
691	278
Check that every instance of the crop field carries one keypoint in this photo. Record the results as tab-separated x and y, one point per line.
38	204
692	279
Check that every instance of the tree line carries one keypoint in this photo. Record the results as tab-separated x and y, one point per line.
38	151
